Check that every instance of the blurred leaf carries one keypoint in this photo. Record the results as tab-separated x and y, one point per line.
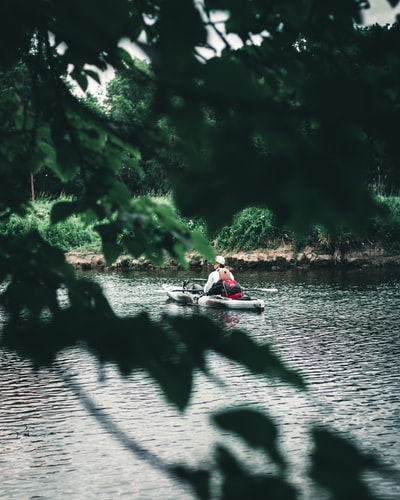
67	163
111	249
255	428
94	75
124	56
258	358
62	210
81	78
203	246
176	381
49	154
339	466
120	193
238	483
300	122
199	479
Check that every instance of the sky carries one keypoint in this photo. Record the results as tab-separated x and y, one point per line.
381	13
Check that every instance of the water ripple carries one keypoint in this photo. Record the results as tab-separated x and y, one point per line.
340	331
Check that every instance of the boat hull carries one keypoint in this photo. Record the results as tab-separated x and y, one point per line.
183	296
242	304
179	295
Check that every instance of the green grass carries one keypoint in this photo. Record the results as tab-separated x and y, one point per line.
71	234
255	229
251	229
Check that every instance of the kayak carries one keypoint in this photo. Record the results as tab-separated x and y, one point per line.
196	296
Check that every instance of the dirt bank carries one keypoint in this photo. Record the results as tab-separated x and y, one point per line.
284	257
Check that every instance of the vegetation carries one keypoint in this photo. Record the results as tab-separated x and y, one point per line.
251	229
70	234
301	120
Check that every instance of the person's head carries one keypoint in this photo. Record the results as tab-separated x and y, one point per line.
219	261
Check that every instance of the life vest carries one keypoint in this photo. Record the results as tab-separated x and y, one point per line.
224	274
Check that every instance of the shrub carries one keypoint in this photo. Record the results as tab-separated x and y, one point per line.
252	228
71	234
386	228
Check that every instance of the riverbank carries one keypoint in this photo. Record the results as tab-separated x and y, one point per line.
280	258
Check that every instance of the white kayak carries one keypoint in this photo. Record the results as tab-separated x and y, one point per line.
195	296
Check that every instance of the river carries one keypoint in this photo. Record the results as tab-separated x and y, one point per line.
76	430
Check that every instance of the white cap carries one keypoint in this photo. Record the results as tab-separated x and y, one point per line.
220	259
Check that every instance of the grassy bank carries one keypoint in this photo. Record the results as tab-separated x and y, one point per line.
255	228
252	229
71	234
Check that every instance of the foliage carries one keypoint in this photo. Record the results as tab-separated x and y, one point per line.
382	230
292	133
70	234
255	228
151	230
387	228
128	102
252	228
295	124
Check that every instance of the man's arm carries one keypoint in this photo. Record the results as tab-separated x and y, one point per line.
212	278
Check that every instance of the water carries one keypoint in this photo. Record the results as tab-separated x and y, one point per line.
81	431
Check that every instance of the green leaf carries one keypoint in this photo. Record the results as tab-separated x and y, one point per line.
176	381
259	358
49	155
238	483
111	251
19	118
94	75
67	162
62	210
80	77
339	466
198	479
125	57
179	253
201	244
255	428
120	193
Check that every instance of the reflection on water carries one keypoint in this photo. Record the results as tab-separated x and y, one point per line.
341	330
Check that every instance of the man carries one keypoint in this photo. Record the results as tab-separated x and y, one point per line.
215	278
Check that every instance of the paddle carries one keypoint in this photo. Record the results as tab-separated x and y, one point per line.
195	290
191	290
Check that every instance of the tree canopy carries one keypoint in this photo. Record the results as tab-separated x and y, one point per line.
307	107
300	117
